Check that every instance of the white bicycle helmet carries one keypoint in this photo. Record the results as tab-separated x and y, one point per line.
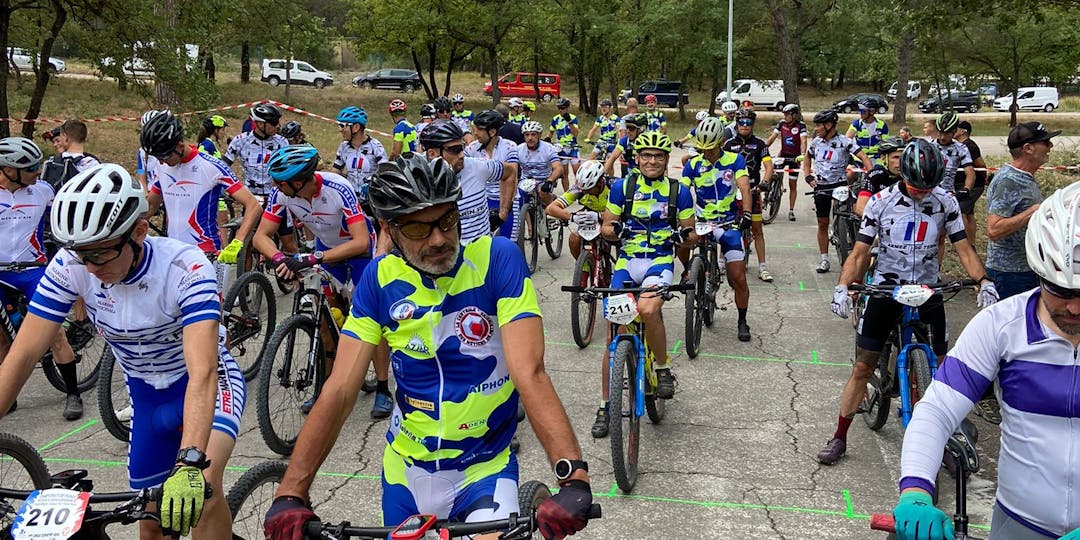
729	107
590	174
708	133
701	115
532	126
146	116
458	98
19	153
100	203
516	102
1053	238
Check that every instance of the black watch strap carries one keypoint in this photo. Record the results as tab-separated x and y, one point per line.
564	468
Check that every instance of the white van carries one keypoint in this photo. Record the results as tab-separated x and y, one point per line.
273	72
1030	98
767	94
914	90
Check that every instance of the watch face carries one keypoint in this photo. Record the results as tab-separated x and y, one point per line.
191	455
563	468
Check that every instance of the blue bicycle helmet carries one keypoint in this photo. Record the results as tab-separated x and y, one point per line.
294	162
353	115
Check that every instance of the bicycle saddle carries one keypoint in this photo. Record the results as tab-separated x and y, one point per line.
962	445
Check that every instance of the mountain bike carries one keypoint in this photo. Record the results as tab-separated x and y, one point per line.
858	304
843	220
592	269
249	313
706	274
533	225
907	363
771	194
632	380
293	367
58	507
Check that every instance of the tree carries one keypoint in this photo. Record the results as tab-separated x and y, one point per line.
791	21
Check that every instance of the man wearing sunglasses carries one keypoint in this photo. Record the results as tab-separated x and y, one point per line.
907	219
492	147
634	124
359	154
155	302
23	203
1027	344
756	153
464	326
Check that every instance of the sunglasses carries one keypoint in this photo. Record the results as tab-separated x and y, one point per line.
456	149
1059	292
745	122
101	256
420	230
343	125
165	155
33	168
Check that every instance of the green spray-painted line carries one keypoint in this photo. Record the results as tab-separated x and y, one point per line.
849	508
614	489
68	434
798	244
676	348
735	357
802	286
814	357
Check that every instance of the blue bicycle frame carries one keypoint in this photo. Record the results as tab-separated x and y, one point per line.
640	372
907	331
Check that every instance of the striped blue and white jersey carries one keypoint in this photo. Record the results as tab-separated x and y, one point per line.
474	176
143	317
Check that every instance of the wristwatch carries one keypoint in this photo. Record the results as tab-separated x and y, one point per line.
566	467
318	256
192	456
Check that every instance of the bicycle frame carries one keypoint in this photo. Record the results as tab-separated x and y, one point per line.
635	332
532	197
909	322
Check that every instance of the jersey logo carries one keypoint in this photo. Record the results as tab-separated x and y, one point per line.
827	156
794	131
919	236
416	344
402	310
473	327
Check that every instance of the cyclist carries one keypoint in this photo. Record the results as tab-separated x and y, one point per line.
867	130
427	116
359	154
190	185
967	205
698	118
460	114
212	135
634	124
529	110
294	133
721	185
154	301
728	109
1026	343
540	161
657	119
456	405
827	156
445	140
792	134
253	148
649	227
443	108
23	203
607	124
957	155
756	154
882	175
404	132
564	129
516	116
490	146
591	190
906	219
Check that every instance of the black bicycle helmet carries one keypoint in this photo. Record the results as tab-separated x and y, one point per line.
889	145
922	165
265	112
439	133
605	102
637	120
826	117
211	123
442	104
161	134
427	110
489	119
563	102
946	122
410	184
294	162
745	113
290	130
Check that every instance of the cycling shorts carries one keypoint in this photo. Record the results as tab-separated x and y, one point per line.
567	153
823	202
882	314
730	242
967	206
643	272
25	281
158	418
605	147
345	273
483	491
755	204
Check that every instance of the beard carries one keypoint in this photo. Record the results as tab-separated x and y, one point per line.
432	260
1067	322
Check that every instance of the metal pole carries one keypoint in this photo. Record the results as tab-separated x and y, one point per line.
730	25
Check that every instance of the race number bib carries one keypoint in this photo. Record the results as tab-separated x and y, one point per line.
527	185
588	231
702	228
841	194
620	309
50	514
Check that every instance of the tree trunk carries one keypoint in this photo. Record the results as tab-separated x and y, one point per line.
787	57
245	62
210	67
493	59
903	73
840	78
41	81
715	79
1014	108
420	70
5	23
165	94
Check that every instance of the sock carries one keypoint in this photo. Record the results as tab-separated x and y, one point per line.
603	405
824	256
761	266
71	378
842	425
383	387
742	314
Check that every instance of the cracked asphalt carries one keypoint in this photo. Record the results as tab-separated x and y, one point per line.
734	458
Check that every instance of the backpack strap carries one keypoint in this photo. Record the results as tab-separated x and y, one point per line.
673	204
630	190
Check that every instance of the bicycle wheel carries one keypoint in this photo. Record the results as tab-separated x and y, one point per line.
251	496
527	239
918	373
554	241
21	468
624	425
713	279
841	240
530	495
247	259
114	404
249	312
875	406
583	312
289	372
695	301
772	200
88	345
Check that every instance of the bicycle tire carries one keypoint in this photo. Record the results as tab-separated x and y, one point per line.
248	518
88	346
714	278
876	403
772	200
112	392
530	495
245	320
583	276
621	418
21	468
280	439
919	367
553	243
247	259
694	307
839	241
526	222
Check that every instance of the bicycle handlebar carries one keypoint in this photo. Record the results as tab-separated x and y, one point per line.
143	495
633	290
316	528
883	522
15	266
887	288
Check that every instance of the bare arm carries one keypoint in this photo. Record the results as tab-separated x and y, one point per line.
252	212
772	137
154	201
866	163
263	240
855	266
357	245
606	228
395	151
969	176
507	189
966	252
860	204
201	358
998	227
609	165
557	210
34	338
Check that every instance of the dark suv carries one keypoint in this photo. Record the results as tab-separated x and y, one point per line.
405	80
958	101
850	104
666	92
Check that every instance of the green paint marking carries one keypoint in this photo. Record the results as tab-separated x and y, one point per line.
614	489
798	245
849	508
68	434
676	348
814	357
802	286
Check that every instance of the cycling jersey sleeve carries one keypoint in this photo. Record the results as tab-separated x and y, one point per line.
139	166
740	167
364	322
350	207
275	206
965	157
198	297
494	171
232	151
227	179
868	227
154	184
339	158
378	152
207	147
617	197
514	292
56	292
684	202
512	153
870	180
569	197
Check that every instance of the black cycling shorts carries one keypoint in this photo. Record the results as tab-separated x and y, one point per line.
881	317
967	206
823	204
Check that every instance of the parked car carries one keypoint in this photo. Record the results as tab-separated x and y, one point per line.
851	103
988	93
1031	98
763	94
914	90
520	84
273	72
406	80
960	101
24	61
666	92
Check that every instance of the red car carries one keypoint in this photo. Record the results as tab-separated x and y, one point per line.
520	84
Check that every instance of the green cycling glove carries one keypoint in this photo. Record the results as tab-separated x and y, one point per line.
228	255
1073	535
182	498
918	519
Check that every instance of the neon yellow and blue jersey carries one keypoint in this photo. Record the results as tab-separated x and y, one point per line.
714	185
518	119
561	129
207	146
455	403
626	146
868	136
405	134
464	114
657	120
609	127
649	214
596	203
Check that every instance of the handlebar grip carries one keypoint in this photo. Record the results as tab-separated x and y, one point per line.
882	522
312	529
682	287
572	288
595	512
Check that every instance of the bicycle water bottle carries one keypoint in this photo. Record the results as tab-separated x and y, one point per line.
14	315
339	317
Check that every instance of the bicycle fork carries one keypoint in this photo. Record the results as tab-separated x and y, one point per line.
906	405
639	373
